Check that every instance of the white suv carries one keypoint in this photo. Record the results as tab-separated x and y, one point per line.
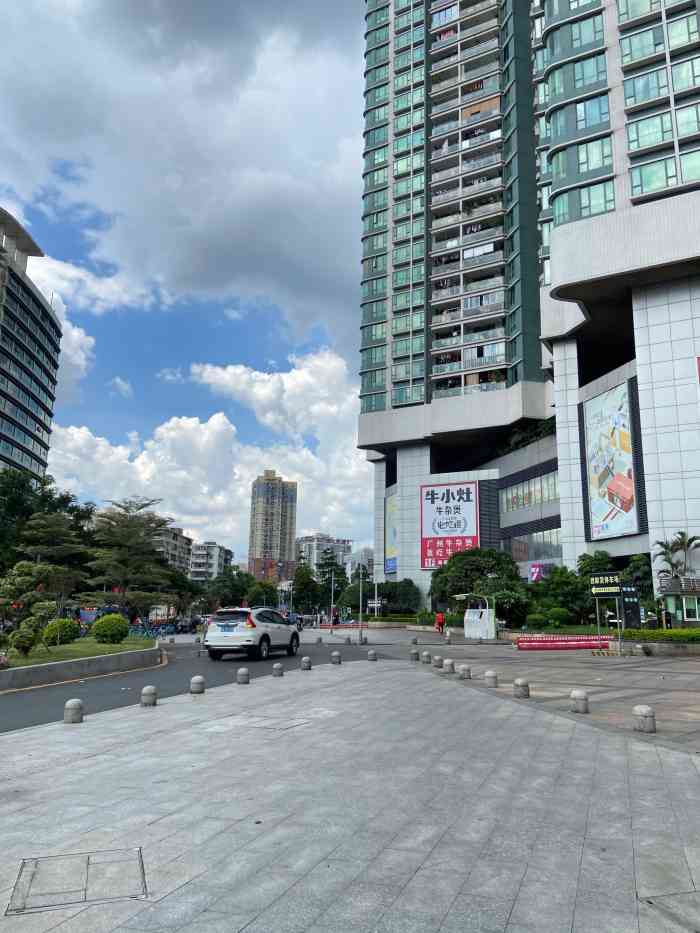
255	631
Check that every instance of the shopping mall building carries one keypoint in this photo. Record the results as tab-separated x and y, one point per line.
530	336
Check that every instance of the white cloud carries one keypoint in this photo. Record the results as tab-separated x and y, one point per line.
203	471
170	374
234	314
211	151
121	387
82	289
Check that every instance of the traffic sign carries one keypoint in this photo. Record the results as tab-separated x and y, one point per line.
605	584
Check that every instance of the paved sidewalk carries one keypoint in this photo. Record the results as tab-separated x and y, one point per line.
366	797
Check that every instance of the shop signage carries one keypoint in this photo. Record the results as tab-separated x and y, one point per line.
449	521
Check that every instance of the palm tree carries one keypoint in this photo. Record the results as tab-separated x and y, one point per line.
685	544
667	554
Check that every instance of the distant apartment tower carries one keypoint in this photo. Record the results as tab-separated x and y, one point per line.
175	548
30	337
208	561
364	556
273	524
310	549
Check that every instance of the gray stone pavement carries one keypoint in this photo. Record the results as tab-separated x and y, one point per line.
375	797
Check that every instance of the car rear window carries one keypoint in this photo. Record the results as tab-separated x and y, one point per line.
230	616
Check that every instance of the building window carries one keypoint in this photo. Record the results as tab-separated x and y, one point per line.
594	155
587	31
597	199
560	204
532	492
590	71
688	120
592	112
642	44
652	131
650	86
654	176
690	166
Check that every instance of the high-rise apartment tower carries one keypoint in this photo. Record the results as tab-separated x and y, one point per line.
273	522
30	338
451	361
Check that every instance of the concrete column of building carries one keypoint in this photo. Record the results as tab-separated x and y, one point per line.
667	341
379	493
573	537
412	469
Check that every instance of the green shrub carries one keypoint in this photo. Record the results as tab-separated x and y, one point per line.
559	616
23	640
536	620
425	618
683	635
61	632
110	629
454	620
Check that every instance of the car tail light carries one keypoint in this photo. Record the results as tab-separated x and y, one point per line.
249	622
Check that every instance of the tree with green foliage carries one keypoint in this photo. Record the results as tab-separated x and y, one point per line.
327	570
468	571
262	593
126	565
563	588
598	562
638	572
685	544
53	542
667	554
228	589
21	497
307	591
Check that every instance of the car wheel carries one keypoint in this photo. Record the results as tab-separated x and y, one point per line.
264	649
215	655
293	646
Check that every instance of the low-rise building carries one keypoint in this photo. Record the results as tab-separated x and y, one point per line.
208	561
310	549
175	548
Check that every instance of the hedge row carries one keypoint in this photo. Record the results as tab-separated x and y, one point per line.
683	635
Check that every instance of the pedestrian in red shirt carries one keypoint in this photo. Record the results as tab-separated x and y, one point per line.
440	622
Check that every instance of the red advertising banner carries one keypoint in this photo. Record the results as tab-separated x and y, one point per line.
449	514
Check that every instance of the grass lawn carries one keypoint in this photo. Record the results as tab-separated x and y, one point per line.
82	648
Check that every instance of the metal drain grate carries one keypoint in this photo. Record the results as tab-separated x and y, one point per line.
86	878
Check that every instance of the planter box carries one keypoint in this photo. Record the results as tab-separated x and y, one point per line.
16	678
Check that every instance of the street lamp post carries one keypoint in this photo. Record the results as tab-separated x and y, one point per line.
359	639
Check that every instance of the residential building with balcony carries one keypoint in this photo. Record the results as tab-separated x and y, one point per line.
617	99
451	361
30	339
311	548
208	561
175	548
365	557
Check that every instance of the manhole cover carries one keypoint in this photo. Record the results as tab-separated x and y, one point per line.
87	878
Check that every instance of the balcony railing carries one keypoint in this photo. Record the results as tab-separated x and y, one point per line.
493	233
463	314
472	262
444	62
469	363
495	333
446	173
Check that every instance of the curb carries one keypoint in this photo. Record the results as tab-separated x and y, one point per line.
55	672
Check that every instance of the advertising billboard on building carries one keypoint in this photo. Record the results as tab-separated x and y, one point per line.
609	465
449	521
391	534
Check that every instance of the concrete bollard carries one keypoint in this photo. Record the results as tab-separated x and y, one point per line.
415	655
448	638
364	640
491	679
579	701
171	640
371	655
335	657
644	719
465	672
197	640
348	640
306	664
197	684
425	657
242	675
149	696
73	711
437	661
414	640
319	640
448	666
278	670
521	688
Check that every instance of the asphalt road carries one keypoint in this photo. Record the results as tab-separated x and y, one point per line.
35	706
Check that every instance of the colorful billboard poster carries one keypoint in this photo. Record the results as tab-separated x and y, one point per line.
449	521
391	534
609	465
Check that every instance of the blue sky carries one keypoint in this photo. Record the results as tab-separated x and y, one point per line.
194	181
